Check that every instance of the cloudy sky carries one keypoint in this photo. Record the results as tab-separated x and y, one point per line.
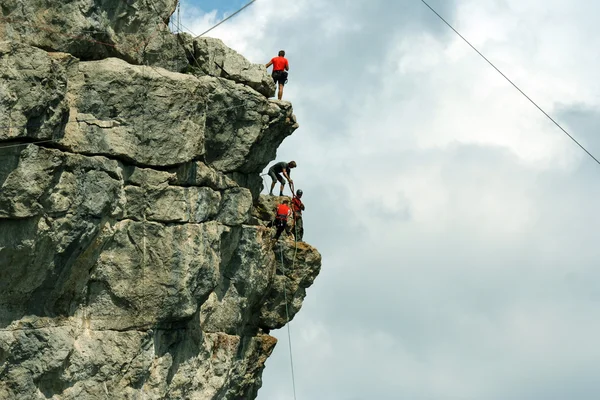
457	223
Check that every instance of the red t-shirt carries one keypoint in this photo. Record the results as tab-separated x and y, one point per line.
279	63
282	210
297	205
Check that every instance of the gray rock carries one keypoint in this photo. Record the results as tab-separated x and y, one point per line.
138	114
134	30
300	266
235	209
211	57
33	87
83	284
134	254
199	174
174	268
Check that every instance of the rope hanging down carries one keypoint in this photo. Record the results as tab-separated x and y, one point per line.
287	313
285	296
511	82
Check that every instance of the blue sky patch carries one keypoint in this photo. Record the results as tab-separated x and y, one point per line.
223	6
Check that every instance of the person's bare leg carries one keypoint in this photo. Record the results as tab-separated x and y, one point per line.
281	189
272	187
280	94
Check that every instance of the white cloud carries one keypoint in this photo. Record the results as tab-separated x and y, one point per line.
456	222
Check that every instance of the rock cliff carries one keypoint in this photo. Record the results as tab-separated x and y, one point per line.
135	261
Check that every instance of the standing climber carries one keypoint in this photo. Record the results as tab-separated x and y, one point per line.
282	214
281	168
298	207
280	68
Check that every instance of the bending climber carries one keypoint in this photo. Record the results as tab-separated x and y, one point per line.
298	207
280	68
281	168
281	217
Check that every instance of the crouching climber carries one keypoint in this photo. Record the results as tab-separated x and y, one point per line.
280	71
298	207
282	214
275	173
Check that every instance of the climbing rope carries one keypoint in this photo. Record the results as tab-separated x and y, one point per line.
179	25
512	83
281	247
226	19
145	196
288	319
285	294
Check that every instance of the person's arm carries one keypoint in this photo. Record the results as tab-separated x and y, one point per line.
287	65
269	64
287	173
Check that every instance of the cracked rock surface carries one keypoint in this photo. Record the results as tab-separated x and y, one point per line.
135	257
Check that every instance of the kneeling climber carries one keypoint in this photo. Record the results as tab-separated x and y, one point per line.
281	168
298	207
282	214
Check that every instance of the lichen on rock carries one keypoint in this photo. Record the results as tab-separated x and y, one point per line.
135	257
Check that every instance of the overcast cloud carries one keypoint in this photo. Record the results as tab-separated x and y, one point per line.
457	224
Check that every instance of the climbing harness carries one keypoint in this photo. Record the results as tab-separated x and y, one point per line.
282	212
280	75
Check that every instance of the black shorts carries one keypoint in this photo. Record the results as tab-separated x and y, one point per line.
276	177
280	77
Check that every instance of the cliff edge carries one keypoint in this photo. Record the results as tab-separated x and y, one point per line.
135	261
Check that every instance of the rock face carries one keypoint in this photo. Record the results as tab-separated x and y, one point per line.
135	260
136	31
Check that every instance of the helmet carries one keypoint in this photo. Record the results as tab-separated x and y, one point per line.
299	192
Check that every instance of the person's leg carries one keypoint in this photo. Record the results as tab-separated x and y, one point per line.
282	182
274	179
280	94
280	228
299	229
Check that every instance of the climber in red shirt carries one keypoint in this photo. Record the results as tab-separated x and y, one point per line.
281	217
280	68
298	207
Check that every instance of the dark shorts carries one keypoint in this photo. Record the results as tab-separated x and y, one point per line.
280	77
276	177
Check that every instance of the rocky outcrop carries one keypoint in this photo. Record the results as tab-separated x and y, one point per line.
135	259
136	31
211	57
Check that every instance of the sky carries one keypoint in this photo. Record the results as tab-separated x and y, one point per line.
456	222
